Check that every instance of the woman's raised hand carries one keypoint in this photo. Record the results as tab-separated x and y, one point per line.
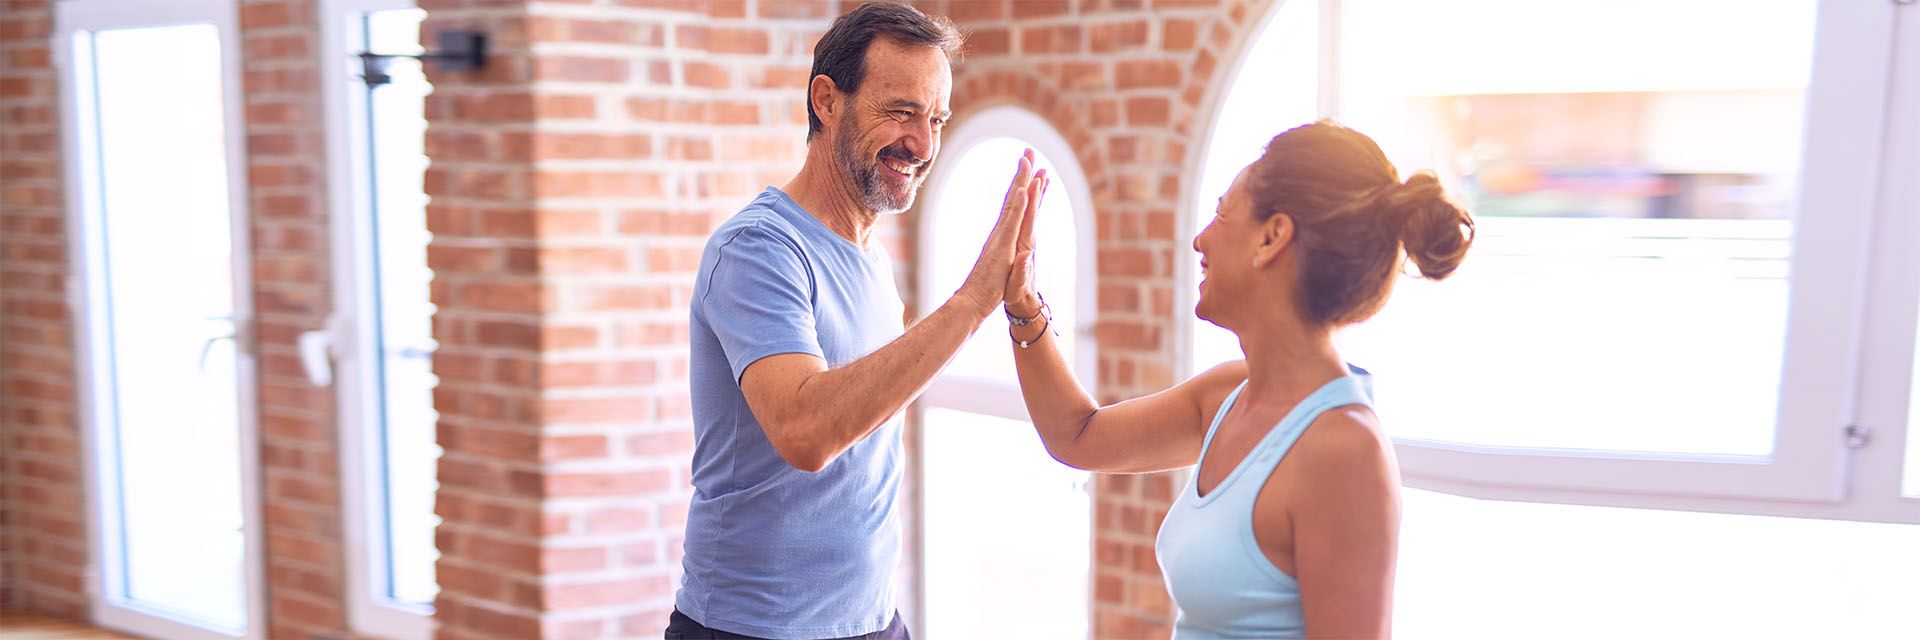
1019	295
991	273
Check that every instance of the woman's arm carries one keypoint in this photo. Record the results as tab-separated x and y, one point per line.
1161	431
1345	514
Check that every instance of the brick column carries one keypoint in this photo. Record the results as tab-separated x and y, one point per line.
573	183
299	435
40	471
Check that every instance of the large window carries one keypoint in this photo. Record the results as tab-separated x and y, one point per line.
1680	299
156	206
995	504
381	333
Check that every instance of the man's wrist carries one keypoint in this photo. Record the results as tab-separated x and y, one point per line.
977	306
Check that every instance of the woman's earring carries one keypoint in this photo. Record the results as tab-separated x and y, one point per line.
1256	263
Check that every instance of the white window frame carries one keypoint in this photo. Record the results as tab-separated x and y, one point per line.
110	608
999	398
364	519
1831	379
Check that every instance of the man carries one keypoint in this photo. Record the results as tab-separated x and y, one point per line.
800	366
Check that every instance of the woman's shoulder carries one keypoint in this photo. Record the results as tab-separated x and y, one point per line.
1210	388
1346	444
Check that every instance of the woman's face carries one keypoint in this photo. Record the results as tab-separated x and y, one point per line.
1227	251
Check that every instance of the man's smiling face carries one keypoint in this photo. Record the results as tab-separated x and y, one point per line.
889	133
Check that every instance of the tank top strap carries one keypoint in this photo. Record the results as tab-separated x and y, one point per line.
1339	392
1220	414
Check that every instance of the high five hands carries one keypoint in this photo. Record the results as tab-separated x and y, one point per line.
1005	268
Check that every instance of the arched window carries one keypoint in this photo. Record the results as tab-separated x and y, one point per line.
1663	308
995	504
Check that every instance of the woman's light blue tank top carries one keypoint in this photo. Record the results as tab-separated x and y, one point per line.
1221	580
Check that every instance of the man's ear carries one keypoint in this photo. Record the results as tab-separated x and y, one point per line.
1276	236
825	96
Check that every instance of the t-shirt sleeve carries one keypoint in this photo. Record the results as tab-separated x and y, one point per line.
759	299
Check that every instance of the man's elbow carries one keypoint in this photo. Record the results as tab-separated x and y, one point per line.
810	463
801	455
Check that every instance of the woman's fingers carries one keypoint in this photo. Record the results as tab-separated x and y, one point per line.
1036	190
1017	191
1013	211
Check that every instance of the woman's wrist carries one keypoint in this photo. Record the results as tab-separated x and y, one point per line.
1027	306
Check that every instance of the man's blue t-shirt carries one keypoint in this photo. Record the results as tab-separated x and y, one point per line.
771	550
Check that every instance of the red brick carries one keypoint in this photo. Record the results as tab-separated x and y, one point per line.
1136	74
619	520
1027	9
501	624
555	448
554	560
670	443
990	42
493	444
591	145
797	9
255	15
588	184
465	580
580	69
557	338
568	597
782	77
631	483
705	75
976	11
598	374
673	259
1148	111
566	107
501	296
597	410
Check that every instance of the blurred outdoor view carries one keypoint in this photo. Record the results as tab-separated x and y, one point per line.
1632	167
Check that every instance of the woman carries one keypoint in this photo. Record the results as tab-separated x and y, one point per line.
1290	523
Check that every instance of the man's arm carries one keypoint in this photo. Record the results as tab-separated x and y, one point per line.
811	413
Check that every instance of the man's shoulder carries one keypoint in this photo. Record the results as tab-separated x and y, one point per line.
756	228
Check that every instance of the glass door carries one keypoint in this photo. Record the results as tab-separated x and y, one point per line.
155	200
381	337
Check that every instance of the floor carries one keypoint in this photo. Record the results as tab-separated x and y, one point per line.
15	625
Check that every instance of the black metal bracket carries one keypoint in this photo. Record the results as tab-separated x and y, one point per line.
460	50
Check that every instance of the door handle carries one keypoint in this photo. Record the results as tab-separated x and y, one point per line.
206	348
314	346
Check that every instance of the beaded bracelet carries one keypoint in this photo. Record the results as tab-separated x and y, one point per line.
1017	321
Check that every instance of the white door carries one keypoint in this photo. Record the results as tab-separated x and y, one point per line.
157	211
381	336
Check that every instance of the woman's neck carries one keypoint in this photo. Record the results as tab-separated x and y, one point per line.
1287	361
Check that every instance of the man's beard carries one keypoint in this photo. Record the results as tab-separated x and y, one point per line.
875	190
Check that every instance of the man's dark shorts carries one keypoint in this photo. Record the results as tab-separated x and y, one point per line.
681	627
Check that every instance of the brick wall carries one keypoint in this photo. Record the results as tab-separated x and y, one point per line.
573	183
47	549
46	552
1129	84
299	439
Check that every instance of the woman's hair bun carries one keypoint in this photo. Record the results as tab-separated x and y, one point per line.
1435	232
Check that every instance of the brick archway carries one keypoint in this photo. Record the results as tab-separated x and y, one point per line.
1135	91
